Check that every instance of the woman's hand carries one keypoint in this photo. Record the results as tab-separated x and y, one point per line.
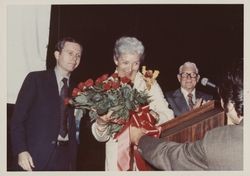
105	119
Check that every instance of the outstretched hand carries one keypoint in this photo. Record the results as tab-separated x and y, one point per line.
25	161
135	134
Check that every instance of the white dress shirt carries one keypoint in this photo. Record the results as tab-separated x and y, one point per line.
60	84
185	93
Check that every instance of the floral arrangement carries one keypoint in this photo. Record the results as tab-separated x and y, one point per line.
129	108
149	76
108	93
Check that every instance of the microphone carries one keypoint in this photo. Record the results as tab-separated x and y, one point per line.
205	82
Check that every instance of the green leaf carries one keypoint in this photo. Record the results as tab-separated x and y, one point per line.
97	97
121	101
93	115
114	128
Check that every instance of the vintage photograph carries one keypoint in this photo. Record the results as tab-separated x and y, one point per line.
125	87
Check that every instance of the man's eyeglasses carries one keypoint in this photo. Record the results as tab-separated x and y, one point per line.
186	75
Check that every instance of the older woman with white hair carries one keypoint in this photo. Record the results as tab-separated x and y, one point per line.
128	55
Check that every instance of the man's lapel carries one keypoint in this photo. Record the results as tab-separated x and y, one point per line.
180	101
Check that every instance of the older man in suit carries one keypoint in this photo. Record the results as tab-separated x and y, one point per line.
42	127
187	97
220	149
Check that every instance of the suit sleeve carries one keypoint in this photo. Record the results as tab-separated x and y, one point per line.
159	104
171	103
167	155
23	105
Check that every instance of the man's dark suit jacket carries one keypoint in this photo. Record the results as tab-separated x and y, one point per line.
36	119
178	103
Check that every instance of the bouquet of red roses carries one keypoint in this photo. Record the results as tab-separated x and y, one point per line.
108	93
129	108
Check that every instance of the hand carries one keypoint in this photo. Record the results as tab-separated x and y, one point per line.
25	161
199	102
105	119
133	75
204	102
135	134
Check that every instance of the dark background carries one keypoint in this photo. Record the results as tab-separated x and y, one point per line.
209	35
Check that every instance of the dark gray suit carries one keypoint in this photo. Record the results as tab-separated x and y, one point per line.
220	149
178	103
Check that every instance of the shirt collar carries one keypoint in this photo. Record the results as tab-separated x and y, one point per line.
185	92
59	75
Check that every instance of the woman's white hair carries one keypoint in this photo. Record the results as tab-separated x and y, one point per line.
128	45
190	65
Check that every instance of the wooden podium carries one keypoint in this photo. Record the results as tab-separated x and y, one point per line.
192	126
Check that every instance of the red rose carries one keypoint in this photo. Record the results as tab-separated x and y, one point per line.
149	74
66	101
81	85
98	81
104	77
115	85
75	92
125	80
115	75
89	83
106	86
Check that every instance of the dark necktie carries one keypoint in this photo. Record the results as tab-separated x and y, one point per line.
190	101
63	109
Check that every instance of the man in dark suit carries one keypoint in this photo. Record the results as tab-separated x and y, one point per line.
42	127
187	97
220	149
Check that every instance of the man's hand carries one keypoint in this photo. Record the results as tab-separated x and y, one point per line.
135	134
199	102
25	161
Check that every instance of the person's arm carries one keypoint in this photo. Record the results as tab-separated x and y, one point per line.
100	128
159	104
25	100
171	103
167	155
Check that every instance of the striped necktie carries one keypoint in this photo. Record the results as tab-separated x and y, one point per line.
190	101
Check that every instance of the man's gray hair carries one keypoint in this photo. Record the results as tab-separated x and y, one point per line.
189	64
128	45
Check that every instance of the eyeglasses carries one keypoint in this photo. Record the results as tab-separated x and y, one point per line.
186	75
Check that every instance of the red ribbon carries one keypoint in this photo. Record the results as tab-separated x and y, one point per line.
127	152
